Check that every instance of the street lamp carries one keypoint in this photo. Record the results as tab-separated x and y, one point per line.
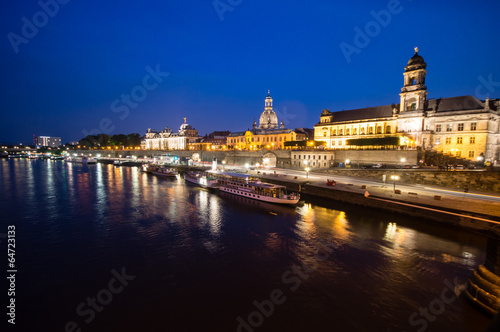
307	171
394	178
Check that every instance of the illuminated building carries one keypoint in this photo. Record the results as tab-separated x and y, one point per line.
53	142
464	127
267	135
167	140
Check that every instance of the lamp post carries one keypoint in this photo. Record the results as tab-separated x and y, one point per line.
307	171
394	178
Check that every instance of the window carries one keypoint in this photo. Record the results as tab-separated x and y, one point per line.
459	140
448	140
347	131
379	130
449	127
388	129
471	154
473	126
325	158
314	157
340	131
355	131
362	131
460	127
370	130
472	140
324	134
458	153
334	132
295	156
438	128
309	157
299	156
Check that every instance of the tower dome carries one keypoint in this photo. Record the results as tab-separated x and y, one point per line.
268	118
416	62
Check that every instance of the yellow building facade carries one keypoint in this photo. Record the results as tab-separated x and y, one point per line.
464	126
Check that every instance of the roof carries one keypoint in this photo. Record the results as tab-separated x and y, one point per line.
454	104
363	113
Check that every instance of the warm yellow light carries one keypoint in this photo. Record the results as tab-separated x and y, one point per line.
307	169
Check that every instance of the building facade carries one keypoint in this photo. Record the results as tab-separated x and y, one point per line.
167	140
268	135
464	127
53	142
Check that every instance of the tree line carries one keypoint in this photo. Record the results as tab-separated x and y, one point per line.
103	140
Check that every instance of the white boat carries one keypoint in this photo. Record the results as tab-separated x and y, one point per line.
251	187
202	179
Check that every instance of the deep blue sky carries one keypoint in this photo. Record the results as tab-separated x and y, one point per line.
64	79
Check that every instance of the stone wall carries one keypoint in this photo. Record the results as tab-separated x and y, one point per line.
387	157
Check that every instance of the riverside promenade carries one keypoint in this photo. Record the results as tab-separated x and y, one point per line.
473	209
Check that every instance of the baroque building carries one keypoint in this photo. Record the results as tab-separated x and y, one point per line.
268	135
464	126
167	140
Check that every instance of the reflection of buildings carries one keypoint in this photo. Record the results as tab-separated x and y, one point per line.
461	126
167	140
267	135
53	142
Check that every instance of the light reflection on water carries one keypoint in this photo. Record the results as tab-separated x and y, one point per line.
207	255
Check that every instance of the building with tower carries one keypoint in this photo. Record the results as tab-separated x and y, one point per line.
167	140
267	135
464	127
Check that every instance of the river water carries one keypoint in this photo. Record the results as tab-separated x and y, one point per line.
105	248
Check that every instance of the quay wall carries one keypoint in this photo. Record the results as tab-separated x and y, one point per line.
343	194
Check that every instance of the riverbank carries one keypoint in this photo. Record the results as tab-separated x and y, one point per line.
466	211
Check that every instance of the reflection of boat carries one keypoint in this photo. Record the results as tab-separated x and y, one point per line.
250	187
159	170
204	180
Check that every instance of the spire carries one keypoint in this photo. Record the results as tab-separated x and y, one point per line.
269	93
416	50
282	124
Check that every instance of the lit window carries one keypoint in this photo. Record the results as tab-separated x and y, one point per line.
459	140
472	140
471	154
449	127
388	129
448	140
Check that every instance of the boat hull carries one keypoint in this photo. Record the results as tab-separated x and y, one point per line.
263	198
209	184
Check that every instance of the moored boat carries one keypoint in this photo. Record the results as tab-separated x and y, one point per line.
82	160
203	179
251	187
159	170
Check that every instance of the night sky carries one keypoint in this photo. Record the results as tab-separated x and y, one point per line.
68	73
